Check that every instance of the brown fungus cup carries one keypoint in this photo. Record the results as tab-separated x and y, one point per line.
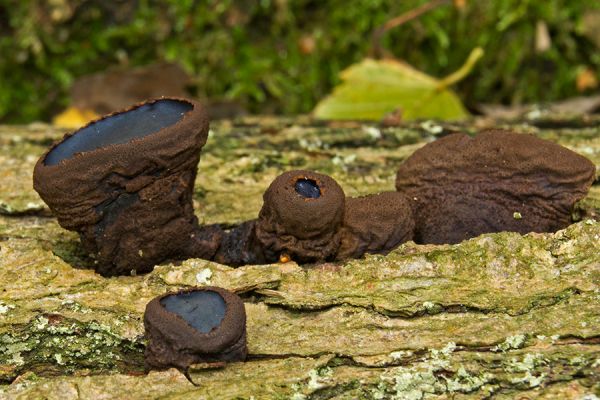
200	325
461	186
125	182
300	217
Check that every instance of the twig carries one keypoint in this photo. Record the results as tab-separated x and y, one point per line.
377	50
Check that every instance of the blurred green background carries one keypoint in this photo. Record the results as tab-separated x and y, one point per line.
282	56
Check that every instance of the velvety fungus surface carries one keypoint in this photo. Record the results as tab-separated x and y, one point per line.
301	215
125	183
375	224
460	186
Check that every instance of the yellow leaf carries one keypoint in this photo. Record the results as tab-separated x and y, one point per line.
586	79
373	88
73	118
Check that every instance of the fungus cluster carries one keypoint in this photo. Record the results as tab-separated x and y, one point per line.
125	183
455	188
306	217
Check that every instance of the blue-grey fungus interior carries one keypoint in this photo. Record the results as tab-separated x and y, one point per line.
121	128
204	309
308	188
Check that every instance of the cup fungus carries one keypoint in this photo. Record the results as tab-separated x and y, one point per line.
306	217
125	182
301	217
461	186
200	325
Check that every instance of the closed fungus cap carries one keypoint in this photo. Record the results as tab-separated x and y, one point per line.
375	224
123	151
461	186
200	321
303	204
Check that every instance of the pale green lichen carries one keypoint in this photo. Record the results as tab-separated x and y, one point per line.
68	345
399	355
344	162
466	382
5	308
41	323
528	363
589	396
530	379
432	127
511	342
373	132
203	277
411	385
318	378
78	308
422	379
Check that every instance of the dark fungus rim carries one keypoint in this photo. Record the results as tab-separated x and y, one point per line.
194	118
182	335
324	183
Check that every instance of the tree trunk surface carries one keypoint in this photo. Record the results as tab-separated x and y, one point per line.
501	315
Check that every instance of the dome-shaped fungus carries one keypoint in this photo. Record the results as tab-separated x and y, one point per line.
375	224
125	182
204	324
461	186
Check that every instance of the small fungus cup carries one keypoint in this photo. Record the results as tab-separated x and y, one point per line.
125	183
200	325
301	216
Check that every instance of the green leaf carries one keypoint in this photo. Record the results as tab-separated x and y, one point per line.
373	88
